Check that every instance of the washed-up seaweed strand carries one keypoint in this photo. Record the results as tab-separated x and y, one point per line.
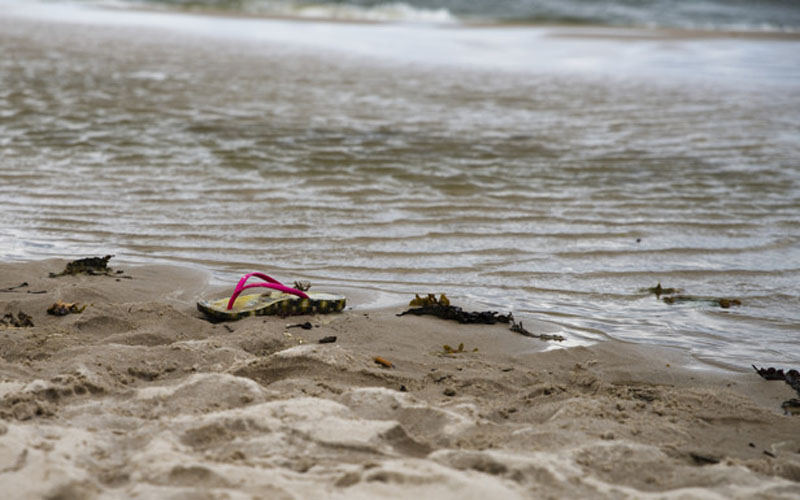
792	377
441	308
460	315
517	327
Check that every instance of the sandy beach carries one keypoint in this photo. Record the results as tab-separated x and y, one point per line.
139	396
555	171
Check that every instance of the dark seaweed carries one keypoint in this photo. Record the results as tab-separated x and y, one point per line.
441	308
658	290
674	296
21	321
791	377
93	266
791	406
457	314
704	459
15	289
517	327
722	302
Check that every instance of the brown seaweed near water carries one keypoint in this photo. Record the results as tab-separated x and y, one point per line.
791	377
517	327
722	302
442	308
21	321
658	290
460	315
674	296
93	266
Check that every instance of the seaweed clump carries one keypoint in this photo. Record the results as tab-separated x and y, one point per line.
21	321
442	308
674	296
658	290
93	266
791	377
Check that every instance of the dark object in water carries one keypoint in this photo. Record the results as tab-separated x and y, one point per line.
722	302
327	340
791	377
21	321
673	296
305	326
63	308
658	290
93	266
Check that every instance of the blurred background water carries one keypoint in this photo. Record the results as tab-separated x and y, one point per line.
550	172
764	15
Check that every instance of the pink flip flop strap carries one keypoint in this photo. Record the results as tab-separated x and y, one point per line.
271	283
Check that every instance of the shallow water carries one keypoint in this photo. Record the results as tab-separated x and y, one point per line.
555	176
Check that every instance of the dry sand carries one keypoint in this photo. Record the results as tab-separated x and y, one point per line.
140	397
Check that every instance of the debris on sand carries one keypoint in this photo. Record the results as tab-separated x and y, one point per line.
93	266
442	308
383	362
15	289
791	377
517	327
448	351
63	308
21	321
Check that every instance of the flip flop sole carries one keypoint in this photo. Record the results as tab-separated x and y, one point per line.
278	304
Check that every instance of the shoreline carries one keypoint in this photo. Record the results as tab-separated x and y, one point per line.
139	395
588	31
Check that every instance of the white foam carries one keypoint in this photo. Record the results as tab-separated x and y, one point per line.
388	12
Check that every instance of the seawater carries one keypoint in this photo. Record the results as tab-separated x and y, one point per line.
764	15
554	173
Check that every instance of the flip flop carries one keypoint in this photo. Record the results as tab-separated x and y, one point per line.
279	300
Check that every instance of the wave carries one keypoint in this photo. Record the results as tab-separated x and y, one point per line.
706	15
337	11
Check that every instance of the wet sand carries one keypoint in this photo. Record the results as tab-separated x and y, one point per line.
139	396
